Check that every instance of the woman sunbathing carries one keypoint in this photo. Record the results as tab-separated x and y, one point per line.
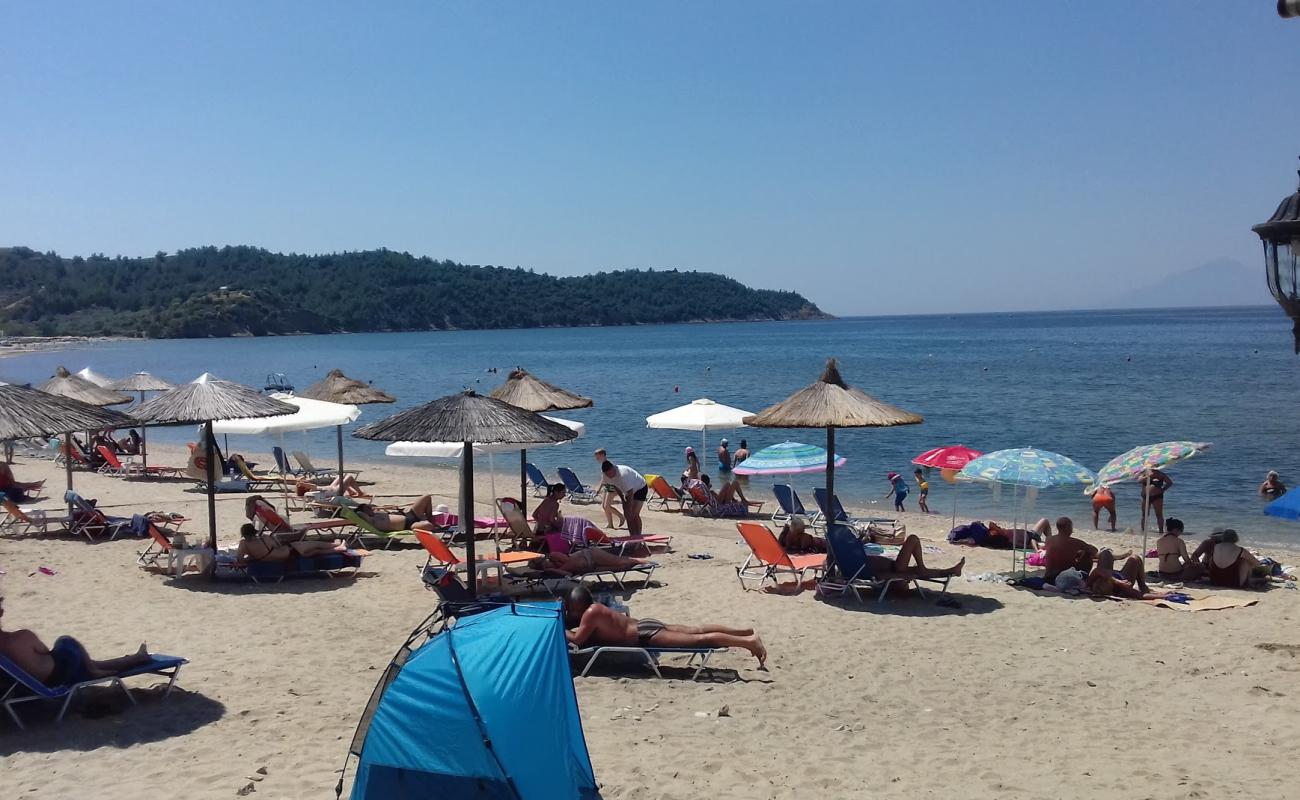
794	537
589	559
254	546
342	486
16	490
419	517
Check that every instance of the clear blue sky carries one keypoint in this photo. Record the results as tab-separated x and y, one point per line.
879	157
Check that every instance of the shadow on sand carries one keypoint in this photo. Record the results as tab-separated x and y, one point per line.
102	717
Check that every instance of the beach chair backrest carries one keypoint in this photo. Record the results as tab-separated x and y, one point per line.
700	494
436	549
571	481
514	518
20	676
271	518
662	488
158	537
788	499
11	508
303	460
109	456
361	522
242	465
535	475
763	543
850	557
281	460
819	497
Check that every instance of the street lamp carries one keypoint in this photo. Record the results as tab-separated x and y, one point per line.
1281	238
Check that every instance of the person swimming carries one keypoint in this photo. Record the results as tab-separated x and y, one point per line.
1272	487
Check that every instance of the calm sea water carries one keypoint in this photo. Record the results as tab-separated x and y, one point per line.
1086	384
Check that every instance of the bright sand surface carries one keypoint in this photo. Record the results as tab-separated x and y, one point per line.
1013	695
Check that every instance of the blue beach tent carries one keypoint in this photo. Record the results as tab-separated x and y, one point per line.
485	709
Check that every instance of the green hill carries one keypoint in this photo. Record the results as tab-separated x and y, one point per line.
245	291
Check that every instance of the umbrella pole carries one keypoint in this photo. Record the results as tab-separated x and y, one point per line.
208	442
830	471
492	481
523	481
144	441
67	465
956	490
284	483
467	515
338	430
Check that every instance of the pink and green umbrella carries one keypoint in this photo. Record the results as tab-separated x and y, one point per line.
1131	465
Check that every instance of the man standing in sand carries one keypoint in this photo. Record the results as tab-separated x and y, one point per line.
587	621
631	488
1063	551
66	662
607	497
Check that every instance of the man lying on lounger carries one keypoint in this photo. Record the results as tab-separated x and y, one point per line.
910	563
254	546
66	662
591	623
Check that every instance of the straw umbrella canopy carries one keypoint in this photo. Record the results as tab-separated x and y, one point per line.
94	377
524	390
470	418
141	382
200	402
65	384
336	387
25	413
831	403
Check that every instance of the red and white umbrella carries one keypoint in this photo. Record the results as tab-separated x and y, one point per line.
949	460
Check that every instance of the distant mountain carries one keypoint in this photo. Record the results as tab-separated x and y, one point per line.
1221	282
246	291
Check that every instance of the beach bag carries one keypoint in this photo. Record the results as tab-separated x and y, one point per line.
1071	580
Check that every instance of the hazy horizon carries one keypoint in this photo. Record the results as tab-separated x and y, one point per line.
879	159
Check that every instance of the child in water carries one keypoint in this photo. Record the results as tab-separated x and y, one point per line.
923	486
898	488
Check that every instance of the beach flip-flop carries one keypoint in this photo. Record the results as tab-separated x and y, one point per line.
700	556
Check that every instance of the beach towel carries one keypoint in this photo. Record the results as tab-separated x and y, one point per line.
1211	603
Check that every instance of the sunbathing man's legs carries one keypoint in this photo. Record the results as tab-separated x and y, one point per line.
423	508
315	548
1133	572
732	491
700	629
910	553
109	666
673	636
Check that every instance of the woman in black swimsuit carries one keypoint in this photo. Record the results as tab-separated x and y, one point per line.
1154	484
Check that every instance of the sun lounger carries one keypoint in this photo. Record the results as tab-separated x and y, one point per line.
24	688
538	479
178	558
441	555
114	466
697	657
705	503
268	519
519	530
788	504
261	483
25	520
366	529
309	470
854	574
282	463
577	492
834	512
665	495
768	559
330	566
90	522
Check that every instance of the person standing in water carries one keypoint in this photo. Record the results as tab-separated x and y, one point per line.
1272	487
1154	484
1103	498
724	458
923	487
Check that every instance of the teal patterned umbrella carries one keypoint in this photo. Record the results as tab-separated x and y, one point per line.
1027	466
787	458
1130	465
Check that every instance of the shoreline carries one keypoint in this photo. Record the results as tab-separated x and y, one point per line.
24	345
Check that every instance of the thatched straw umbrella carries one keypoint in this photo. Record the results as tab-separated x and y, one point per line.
201	401
142	382
94	377
831	403
524	390
339	388
25	413
472	419
65	384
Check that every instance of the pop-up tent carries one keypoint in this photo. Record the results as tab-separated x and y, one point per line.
485	709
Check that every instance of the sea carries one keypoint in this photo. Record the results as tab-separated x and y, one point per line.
1087	384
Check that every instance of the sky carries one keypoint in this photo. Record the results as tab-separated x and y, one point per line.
878	157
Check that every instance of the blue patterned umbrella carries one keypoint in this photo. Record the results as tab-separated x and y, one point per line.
786	458
1027	466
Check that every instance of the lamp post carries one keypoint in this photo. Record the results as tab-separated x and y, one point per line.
1281	238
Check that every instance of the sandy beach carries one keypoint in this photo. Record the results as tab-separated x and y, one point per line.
1013	695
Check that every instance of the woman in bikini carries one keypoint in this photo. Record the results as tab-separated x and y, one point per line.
254	546
589	559
1154	484
1103	498
1129	582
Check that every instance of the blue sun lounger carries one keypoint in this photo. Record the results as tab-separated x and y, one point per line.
788	503
697	657
538	479
577	492
853	574
834	512
24	688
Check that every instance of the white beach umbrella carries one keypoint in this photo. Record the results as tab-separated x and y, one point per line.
94	377
311	414
701	415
